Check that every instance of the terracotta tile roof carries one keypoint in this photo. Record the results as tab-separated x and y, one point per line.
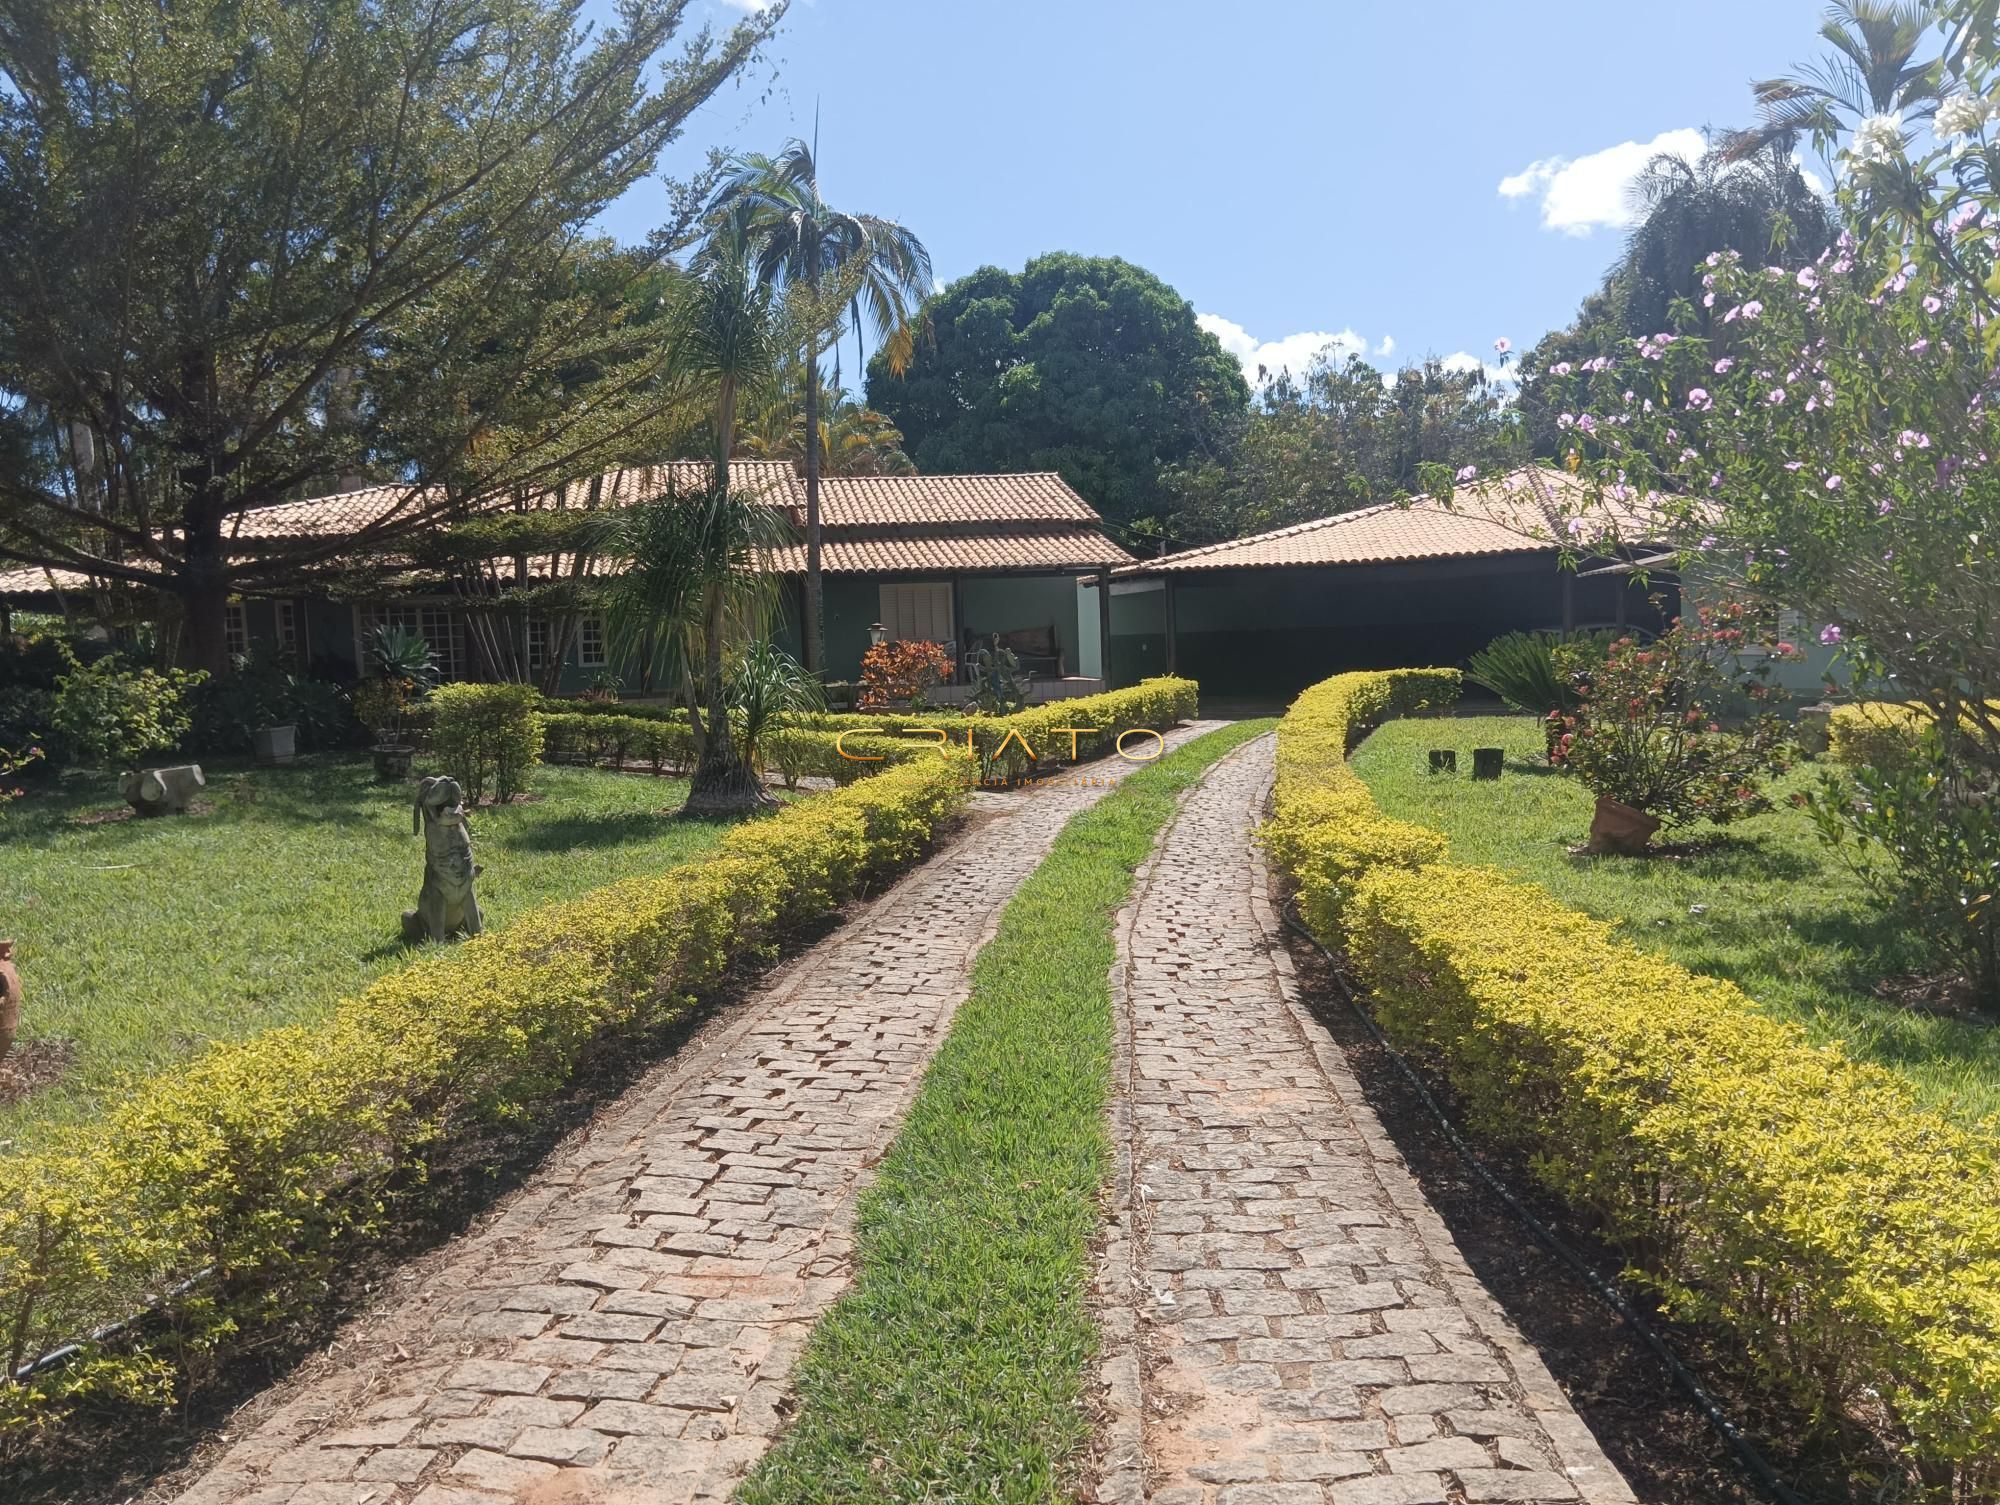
1520	511
351	511
32	579
869	501
854	552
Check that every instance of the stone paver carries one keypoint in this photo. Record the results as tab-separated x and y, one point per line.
625	1325
1287	1320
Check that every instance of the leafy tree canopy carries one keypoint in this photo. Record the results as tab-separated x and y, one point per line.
247	248
1344	436
1089	366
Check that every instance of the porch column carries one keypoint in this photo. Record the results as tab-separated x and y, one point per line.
957	627
1173	630
1104	628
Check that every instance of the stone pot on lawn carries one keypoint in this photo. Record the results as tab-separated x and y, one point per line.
392	762
10	999
1617	830
275	744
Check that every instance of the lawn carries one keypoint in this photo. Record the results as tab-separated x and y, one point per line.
1767	907
140	939
954	1367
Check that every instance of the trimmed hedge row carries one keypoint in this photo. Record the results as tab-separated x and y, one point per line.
1849	1237
257	1158
845	748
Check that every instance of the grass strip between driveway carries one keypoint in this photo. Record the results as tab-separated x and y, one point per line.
954	1368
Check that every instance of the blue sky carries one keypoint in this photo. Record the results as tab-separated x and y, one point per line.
1298	169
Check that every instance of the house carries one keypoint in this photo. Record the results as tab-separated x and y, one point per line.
952	559
1389	586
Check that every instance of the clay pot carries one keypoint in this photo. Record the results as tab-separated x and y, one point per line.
10	998
1617	830
392	762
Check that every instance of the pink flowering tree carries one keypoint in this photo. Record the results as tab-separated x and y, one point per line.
1830	442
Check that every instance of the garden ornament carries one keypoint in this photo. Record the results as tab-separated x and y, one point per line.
156	791
445	904
10	998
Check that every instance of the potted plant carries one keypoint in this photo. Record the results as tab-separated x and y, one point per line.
403	670
1646	736
275	744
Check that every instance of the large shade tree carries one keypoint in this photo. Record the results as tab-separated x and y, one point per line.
1089	366
871	270
249	248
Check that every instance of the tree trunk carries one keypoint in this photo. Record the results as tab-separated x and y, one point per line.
205	608
815	623
723	783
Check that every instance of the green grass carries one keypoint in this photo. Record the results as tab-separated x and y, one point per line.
140	940
954	1369
1779	914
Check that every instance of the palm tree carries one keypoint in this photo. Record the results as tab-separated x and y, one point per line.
854	439
1871	71
1761	206
694	576
874	268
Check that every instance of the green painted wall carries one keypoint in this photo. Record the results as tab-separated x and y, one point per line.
1011	603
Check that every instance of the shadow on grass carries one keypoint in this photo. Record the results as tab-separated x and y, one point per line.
569	833
1721	859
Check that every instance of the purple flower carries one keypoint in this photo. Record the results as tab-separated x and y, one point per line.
1834	483
1932	303
1587	423
1776	397
1884	507
1808	278
1752	309
1707	543
1468	472
1565	420
1829	634
1560	368
1919	347
1722	366
1795	465
1503	344
1698	399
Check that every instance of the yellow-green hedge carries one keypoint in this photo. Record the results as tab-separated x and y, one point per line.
255	1157
848	747
1875	733
1848	1236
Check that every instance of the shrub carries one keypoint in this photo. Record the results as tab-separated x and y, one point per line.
225	712
1644	732
1848	1237
108	716
898	674
486	735
1523	668
1875	734
259	1157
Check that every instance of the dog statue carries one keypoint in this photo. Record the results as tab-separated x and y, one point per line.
445	904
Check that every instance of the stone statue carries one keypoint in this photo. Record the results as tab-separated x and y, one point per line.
10	999
156	791
445	905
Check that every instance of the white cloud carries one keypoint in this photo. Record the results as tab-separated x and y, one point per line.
1578	194
1388	345
1462	360
1294	353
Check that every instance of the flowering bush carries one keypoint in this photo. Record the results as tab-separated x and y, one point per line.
1645	732
12	763
896	675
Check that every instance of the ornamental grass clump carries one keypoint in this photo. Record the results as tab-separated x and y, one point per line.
1647	740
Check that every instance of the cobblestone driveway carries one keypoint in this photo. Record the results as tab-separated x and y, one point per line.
623	1328
1289	1322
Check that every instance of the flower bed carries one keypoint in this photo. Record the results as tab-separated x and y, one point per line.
1848	1237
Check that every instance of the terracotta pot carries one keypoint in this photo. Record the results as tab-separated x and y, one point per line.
1617	830
10	998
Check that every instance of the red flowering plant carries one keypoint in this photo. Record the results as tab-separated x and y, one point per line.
895	676
12	763
1648	736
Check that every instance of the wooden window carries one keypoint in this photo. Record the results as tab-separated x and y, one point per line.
438	626
919	612
287	620
235	630
591	651
538	644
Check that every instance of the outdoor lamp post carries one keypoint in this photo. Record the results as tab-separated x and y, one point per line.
877	634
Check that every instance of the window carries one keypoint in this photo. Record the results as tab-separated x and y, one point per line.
920	612
438	626
590	645
288	629
538	644
235	630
